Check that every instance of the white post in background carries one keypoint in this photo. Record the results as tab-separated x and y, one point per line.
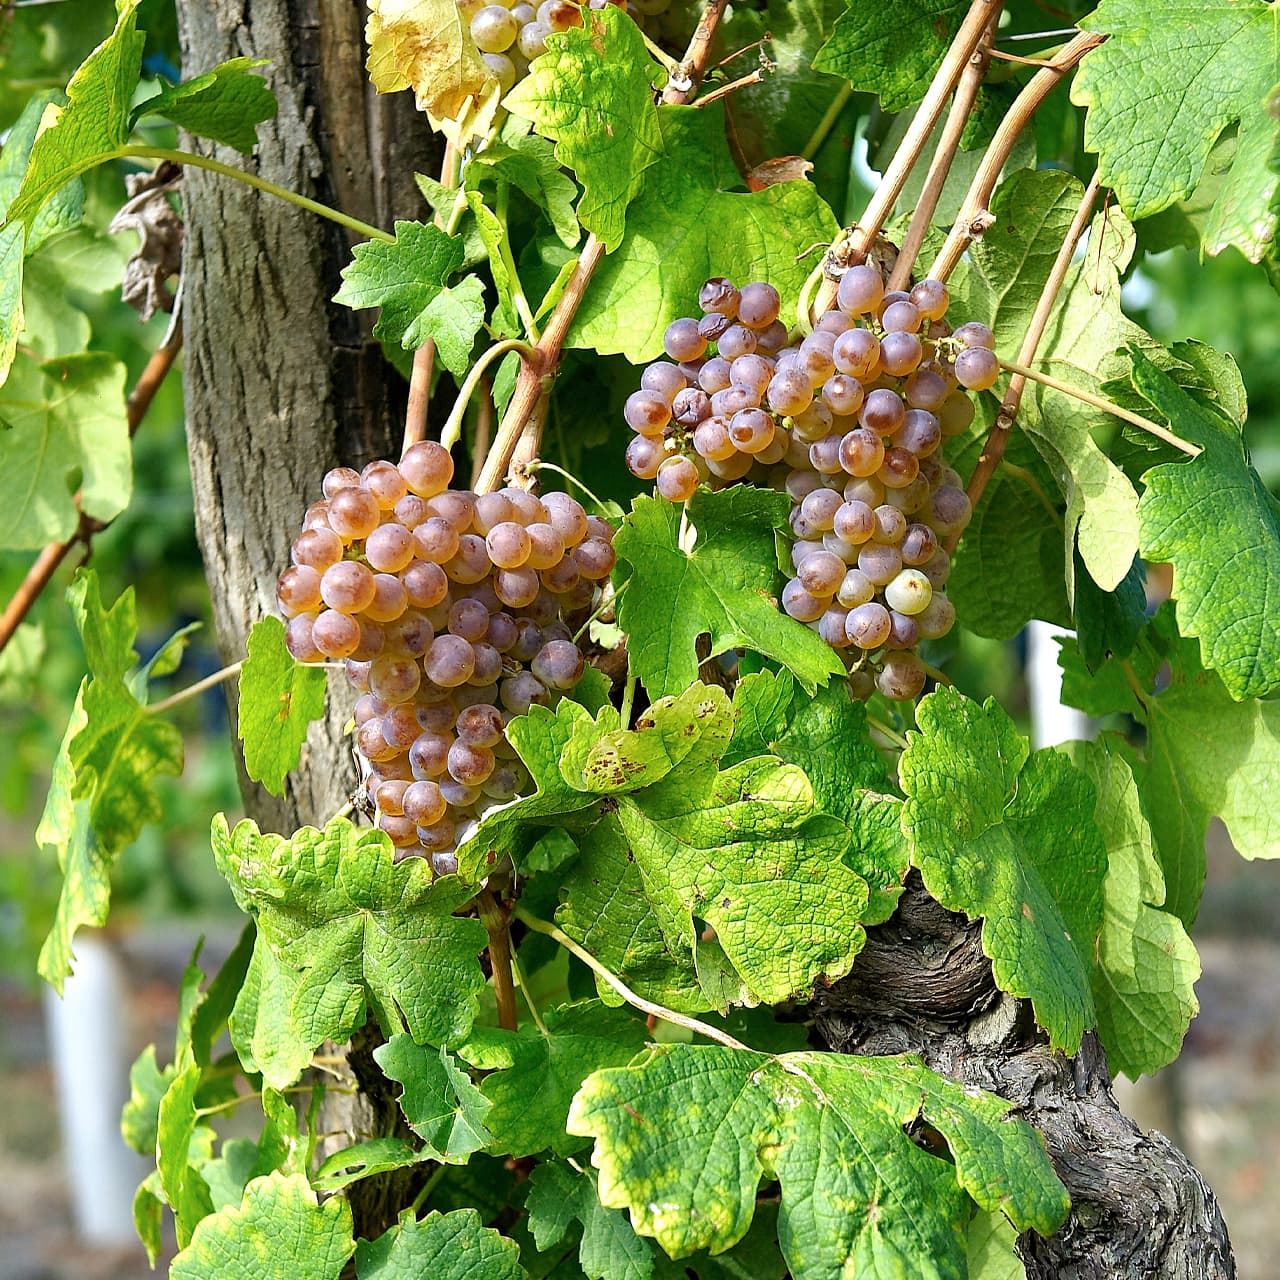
1051	721
89	1054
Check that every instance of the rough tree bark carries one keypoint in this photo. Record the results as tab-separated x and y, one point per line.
281	385
1139	1208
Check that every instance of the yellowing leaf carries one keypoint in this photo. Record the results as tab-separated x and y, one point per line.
422	45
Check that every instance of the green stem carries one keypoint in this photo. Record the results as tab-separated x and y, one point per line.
540	465
452	430
607	603
260	184
193	690
427	1188
518	974
671	65
517	289
638	1001
628	695
884	730
828	121
241	1098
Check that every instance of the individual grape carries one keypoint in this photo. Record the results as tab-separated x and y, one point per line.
347	586
384	481
903	631
861	685
546	546
901	677
357	674
450	661
820	507
860	291
771	339
435	540
831	627
932	298
880	562
595	558
508	544
389	548
715	375
372	745
800	604
471	563
937	569
427	468
317	549
889	525
732	468
713	326
517	588
814	422
719	295
411	511
972	334
559	664
937	619
469	765
335	634
494	29
677	479
977	368
865	489
468	619
800	483
855	588
737	340
898	469
857	353
367	706
455	507
429	754
394	678
489	667
425	584
372	641
422	802
480	725
647	413
854	522
505	782
528	640
444	862
920	433
403	831
502	69
955	414
532	39
949	510
861	452
824	455
758	305
911	498
732	400
821	573
644	456
868	625
390	599
918	545
339	478
682	341
753	372
298	591
561	577
316	516
299	638
900	353
816	359
751	430
909	593
663	379
400	725
926	389
521	691
492	509
353	514
711	439
901	317
842	394
882	411
790	392
834	322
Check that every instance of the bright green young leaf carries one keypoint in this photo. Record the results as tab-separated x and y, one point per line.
1214	520
279	1231
401	278
497	249
827	737
724	586
65	432
685	1136
609	1248
64	210
452	319
365	1160
350	928
265	1033
140	1119
1083	344
527	162
279	698
185	1191
100	794
94	122
439	1101
13	245
1153	144
226	104
1009	836
148	1215
690	221
592	94
448	1246
990	1242
892	50
533	1076
1147	967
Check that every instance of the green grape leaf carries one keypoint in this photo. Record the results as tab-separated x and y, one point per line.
691	221
425	45
279	698
140	1119
493	235
185	1190
452	319
100	794
685	1135
352	928
1214	519
1147	966
448	1246
723	587
1108	623
534	1074
527	162
226	104
1153	145
148	1215
401	278
365	1160
62	211
56	276
1083	344
891	50
264	1031
439	1101
592	94
279	1231
13	244
609	1247
990	1241
66	433
1009	836
827	737
94	122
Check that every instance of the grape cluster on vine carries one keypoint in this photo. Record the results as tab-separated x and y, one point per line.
850	422
511	36
453	612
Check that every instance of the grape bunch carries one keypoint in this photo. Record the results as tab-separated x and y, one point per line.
851	423
453	613
510	36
